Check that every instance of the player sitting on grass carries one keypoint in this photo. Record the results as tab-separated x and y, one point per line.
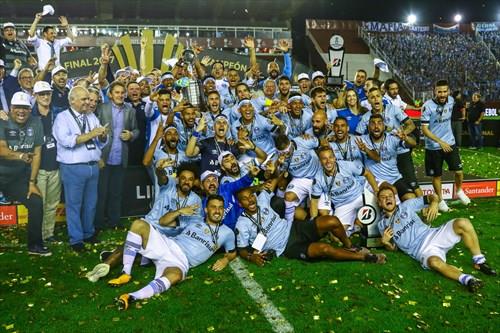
263	234
402	228
173	256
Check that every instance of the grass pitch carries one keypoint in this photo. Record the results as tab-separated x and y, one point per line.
52	295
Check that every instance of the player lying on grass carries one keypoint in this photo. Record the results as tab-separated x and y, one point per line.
402	228
261	233
173	256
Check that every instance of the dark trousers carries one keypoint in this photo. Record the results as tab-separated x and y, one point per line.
476	137
456	128
109	202
16	190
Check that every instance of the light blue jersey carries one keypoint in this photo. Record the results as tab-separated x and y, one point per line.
179	157
387	168
210	121
184	132
270	224
297	127
304	162
199	241
166	201
331	114
409	230
260	132
343	187
348	150
438	118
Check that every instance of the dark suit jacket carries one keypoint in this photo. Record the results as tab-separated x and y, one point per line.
105	115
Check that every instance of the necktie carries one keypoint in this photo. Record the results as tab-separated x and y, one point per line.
83	120
52	50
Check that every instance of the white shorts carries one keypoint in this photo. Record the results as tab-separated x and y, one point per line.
301	187
439	243
164	252
324	203
347	214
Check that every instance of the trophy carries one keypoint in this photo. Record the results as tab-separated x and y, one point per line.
336	58
369	216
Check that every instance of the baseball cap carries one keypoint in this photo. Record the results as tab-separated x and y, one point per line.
9	25
57	69
208	78
302	76
20	99
317	74
209	173
41	86
222	155
122	71
2	63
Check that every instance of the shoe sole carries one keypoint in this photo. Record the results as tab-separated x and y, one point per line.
117	284
98	272
491	273
476	287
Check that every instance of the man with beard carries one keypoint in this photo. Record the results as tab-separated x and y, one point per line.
297	156
157	110
137	147
114	160
174	208
21	138
394	119
174	256
210	186
402	228
242	92
12	48
319	103
185	123
348	147
256	128
262	234
210	149
386	145
213	111
392	96
320	129
284	85
336	189
298	118
234	169
144	83
273	69
49	47
60	92
440	143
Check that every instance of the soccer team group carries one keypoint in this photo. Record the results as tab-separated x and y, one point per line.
281	169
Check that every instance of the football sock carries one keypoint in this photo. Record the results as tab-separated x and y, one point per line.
133	244
465	278
479	259
289	211
157	286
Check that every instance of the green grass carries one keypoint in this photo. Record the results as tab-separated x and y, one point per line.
52	295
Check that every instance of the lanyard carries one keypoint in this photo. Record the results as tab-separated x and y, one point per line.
330	186
81	125
250	130
183	203
257	222
347	149
393	218
214	234
218	147
379	150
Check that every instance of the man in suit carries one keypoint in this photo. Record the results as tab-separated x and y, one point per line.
123	129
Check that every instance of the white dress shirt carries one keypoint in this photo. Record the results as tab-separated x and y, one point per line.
43	49
65	130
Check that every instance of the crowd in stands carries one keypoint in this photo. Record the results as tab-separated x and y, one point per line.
492	39
421	58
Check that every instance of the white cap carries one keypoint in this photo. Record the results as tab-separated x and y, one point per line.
382	65
2	63
41	86
48	9
9	25
317	74
141	78
167	75
20	99
302	76
122	71
134	71
209	173
222	155
57	69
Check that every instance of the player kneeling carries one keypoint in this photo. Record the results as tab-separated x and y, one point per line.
402	228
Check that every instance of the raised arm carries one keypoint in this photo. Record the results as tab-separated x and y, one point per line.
65	26
32	31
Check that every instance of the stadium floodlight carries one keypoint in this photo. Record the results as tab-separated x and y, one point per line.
411	19
457	18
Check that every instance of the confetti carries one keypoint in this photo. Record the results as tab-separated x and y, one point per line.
346	298
316	317
448	297
334	282
412	302
278	287
338	319
446	304
210	329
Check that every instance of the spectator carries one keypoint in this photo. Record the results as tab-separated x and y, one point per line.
475	114
457	117
11	48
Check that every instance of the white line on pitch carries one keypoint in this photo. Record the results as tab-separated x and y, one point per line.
255	291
